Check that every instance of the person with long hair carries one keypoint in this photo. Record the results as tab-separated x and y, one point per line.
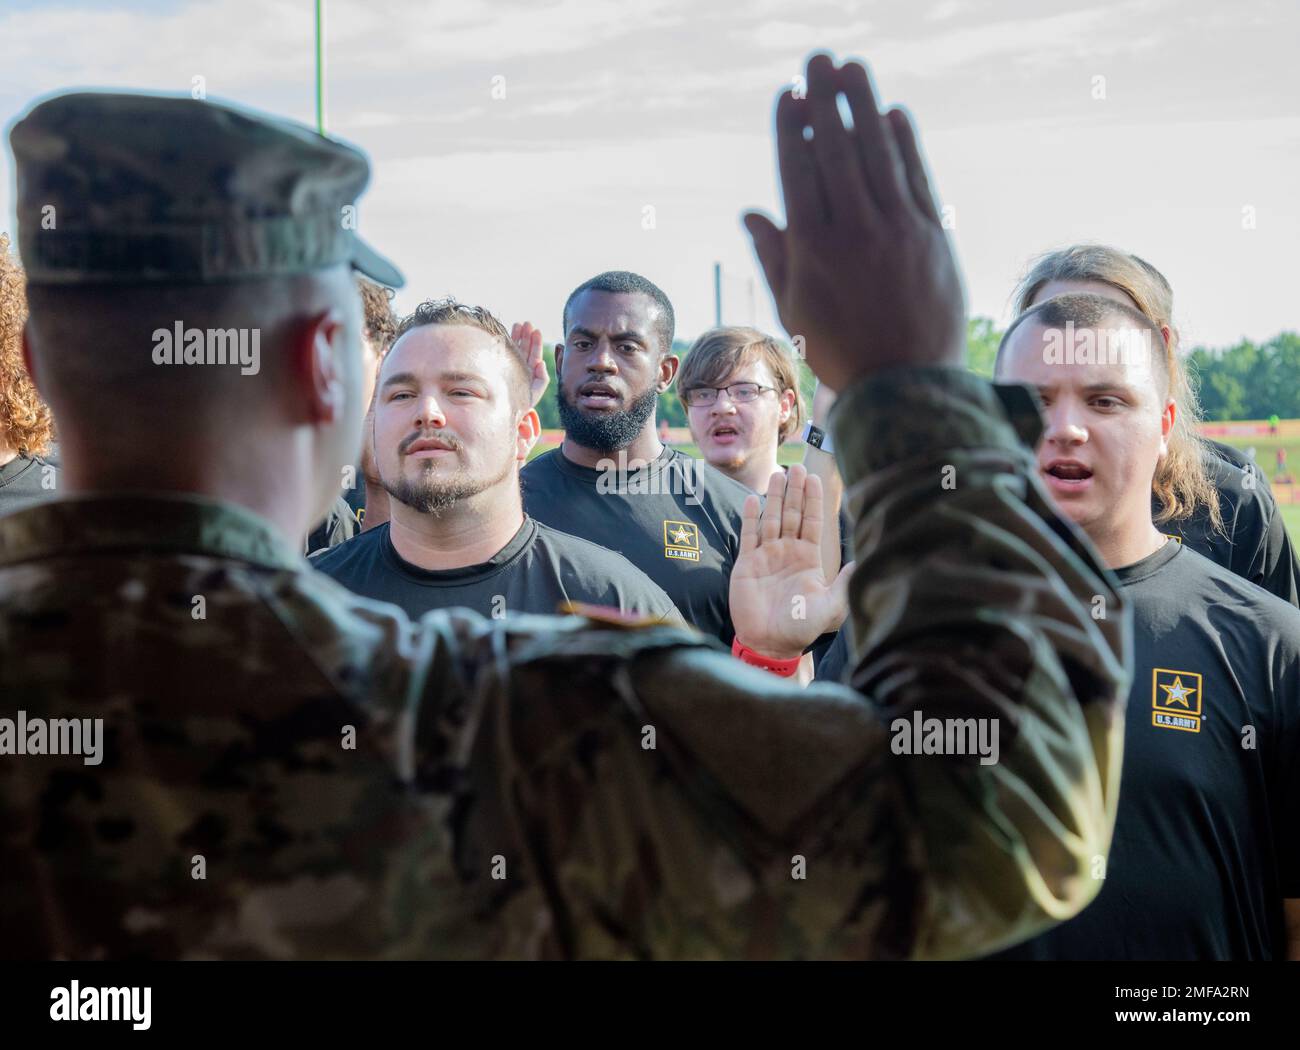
1206	493
1204	863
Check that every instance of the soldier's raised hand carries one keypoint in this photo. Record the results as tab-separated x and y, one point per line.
863	270
780	600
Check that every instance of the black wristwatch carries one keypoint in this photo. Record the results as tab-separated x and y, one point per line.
818	438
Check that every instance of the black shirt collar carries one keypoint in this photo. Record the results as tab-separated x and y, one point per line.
592	474
1151	564
518	544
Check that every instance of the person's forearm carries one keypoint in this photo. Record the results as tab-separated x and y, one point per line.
971	598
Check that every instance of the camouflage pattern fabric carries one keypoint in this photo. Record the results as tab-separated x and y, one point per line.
502	799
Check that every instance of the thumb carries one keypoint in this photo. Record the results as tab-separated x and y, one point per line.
769	246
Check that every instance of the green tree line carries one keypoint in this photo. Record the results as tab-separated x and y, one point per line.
1245	381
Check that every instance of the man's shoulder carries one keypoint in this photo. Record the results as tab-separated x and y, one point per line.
1192	580
1220	455
361	547
542	463
1242	486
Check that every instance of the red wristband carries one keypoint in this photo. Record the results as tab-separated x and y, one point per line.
783	668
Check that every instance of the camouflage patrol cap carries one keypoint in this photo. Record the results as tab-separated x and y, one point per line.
145	188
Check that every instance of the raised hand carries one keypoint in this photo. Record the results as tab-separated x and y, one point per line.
528	341
862	271
781	601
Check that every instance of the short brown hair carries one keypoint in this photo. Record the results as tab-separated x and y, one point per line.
1182	483
720	351
25	420
449	311
381	320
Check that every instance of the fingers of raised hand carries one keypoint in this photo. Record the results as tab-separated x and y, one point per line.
913	165
792	509
805	199
874	145
749	523
772	508
834	147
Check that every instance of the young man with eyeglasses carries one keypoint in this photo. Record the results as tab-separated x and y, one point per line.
740	388
741	394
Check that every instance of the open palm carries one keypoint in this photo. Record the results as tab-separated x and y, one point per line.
780	598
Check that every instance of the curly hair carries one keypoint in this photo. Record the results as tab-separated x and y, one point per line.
25	420
381	321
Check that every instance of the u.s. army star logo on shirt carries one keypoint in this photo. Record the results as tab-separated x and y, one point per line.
1176	700
681	540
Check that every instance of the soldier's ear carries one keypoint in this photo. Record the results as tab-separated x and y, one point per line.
317	366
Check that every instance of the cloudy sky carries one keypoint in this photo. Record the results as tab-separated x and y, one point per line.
610	109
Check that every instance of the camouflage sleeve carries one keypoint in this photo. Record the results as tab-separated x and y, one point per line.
649	797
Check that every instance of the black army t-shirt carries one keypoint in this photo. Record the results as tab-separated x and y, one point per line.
1206	844
534	573
677	519
26	480
1254	542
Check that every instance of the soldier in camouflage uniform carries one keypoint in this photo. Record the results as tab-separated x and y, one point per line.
290	771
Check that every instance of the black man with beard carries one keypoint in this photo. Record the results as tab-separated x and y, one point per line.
612	481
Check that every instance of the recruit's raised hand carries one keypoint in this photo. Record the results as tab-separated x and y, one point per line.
528	341
862	271
781	600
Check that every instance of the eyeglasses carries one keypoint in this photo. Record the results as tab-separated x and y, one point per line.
740	393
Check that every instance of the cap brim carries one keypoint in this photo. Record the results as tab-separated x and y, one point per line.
375	266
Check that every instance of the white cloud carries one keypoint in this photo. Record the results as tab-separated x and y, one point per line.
669	102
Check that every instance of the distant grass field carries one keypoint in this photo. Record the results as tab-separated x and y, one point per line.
1236	434
1266	446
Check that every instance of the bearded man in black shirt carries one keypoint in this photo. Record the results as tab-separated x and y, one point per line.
1205	862
612	480
453	423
